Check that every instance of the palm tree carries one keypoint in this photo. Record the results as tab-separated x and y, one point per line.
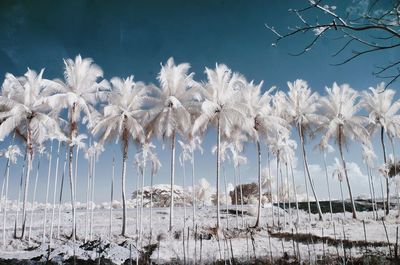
342	123
171	113
122	121
262	124
383	115
24	113
301	106
223	108
79	93
11	153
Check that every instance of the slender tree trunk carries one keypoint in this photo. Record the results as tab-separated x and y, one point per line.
76	170
353	206
141	199
295	194
92	204
241	196
327	184
270	189
283	195
54	193
88	187
218	171
288	192
370	191
171	206
19	193
184	194
124	158
193	191
47	193
112	193
7	176
33	201
259	183
226	197
88	192
341	193
73	132
151	205
308	172
395	174
277	189
236	197
61	193
373	194
28	172
386	177
383	196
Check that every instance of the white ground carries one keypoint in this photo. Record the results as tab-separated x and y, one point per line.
172	249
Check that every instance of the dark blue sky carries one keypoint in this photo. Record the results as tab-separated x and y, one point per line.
133	37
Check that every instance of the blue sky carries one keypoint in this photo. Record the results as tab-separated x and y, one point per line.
133	37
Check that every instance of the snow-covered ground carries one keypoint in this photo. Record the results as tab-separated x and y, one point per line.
245	243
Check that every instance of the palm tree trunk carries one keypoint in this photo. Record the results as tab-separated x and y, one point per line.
19	194
270	189
28	172
141	200
341	193
112	194
88	188
193	191
288	192
171	206
73	132
329	189
277	188
308	171
370	191
54	193
151	205
92	204
259	183
47	193
7	176
295	195
283	196
33	201
61	194
373	194
241	196
218	170
386	177
184	194
72	188
395	174
226	197
353	206
124	158
236	197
